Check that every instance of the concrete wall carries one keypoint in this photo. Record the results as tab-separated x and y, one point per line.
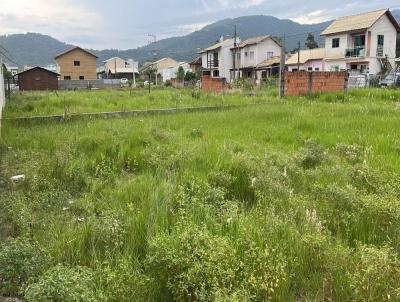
306	83
66	84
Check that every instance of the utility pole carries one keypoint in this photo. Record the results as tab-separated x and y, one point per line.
154	51
234	55
298	58
282	70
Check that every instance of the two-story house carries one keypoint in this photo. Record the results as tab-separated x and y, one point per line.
217	60
117	68
253	51
363	43
76	64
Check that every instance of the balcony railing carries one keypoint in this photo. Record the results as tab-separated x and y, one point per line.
212	64
356	52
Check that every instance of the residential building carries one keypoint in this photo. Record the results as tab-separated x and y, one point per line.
77	64
253	52
37	78
12	69
117	68
217	60
170	73
363	43
160	65
195	65
310	60
268	68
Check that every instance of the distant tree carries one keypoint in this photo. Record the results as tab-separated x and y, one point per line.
311	43
180	75
190	76
151	73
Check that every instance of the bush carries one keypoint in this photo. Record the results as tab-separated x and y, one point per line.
376	275
311	155
20	261
192	264
60	284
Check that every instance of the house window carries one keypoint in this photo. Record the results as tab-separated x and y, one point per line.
251	55
294	69
316	68
336	43
77	63
309	68
37	78
270	54
67	77
216	73
246	54
81	77
381	41
238	55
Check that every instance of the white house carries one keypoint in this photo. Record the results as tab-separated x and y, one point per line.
309	60
170	73
118	68
217	60
12	69
362	43
253	51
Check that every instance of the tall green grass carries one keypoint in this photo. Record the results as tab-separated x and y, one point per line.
108	100
292	200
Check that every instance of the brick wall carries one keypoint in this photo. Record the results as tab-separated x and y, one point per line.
305	83
213	84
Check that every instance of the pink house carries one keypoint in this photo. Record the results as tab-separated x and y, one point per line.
310	60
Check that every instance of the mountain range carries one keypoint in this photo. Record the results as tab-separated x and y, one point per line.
37	49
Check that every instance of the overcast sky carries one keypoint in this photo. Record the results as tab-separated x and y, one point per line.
126	23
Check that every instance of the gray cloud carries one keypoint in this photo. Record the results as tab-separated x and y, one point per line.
126	23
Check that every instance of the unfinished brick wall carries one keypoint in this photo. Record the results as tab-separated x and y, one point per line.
306	83
210	84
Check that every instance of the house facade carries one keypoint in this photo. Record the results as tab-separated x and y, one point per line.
309	60
37	79
251	53
170	73
217	60
76	64
362	44
161	65
117	68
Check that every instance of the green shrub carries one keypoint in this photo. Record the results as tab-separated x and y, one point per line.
311	155
124	281
191	264
20	261
60	284
376	275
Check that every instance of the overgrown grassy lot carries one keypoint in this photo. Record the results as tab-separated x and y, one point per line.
294	200
107	100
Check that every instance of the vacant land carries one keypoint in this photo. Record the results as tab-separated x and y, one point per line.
84	101
294	200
